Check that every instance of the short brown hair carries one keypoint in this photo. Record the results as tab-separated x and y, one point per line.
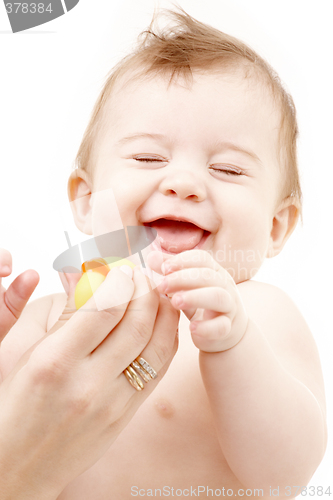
187	45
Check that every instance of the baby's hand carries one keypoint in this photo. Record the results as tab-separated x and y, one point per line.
208	296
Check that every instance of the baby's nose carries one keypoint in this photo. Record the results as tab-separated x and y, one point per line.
183	184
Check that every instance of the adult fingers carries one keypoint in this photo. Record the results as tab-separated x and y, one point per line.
19	292
164	340
64	281
134	331
5	263
16	298
5	267
158	353
92	323
69	281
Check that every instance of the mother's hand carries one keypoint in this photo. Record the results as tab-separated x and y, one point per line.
14	300
68	399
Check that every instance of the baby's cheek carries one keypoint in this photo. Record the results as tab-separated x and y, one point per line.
105	213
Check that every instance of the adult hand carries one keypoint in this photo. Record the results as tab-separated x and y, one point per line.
67	400
13	300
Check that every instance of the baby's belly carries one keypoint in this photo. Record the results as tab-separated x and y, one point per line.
170	443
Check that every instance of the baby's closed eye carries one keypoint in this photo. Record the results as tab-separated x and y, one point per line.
149	159
227	170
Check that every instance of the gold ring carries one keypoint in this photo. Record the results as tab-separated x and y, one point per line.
144	375
139	367
133	378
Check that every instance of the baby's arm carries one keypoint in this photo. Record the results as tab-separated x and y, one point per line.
260	368
267	394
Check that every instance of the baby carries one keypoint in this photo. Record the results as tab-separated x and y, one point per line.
196	137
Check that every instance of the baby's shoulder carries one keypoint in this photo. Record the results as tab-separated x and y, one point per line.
264	295
275	313
271	306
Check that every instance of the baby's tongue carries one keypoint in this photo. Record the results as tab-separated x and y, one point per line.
175	236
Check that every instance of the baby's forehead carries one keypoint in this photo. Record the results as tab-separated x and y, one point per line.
138	84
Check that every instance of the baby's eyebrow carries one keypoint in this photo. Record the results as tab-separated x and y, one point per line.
140	135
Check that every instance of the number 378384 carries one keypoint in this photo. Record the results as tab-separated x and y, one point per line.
28	8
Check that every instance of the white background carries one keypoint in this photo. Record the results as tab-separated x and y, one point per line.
50	78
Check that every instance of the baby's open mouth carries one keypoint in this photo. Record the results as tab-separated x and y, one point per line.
175	236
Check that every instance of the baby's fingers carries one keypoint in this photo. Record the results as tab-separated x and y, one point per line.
211	298
155	260
212	335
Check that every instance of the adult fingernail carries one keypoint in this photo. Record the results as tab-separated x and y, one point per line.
127	270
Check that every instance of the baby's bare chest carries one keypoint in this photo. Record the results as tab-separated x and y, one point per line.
171	442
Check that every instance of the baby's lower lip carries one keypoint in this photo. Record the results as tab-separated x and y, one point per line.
156	246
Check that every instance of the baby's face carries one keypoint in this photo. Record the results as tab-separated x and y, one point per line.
206	154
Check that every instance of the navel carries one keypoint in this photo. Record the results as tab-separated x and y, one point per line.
164	407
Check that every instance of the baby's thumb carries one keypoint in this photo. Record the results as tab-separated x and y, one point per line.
69	282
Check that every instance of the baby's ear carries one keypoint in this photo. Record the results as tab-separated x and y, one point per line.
283	224
79	194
